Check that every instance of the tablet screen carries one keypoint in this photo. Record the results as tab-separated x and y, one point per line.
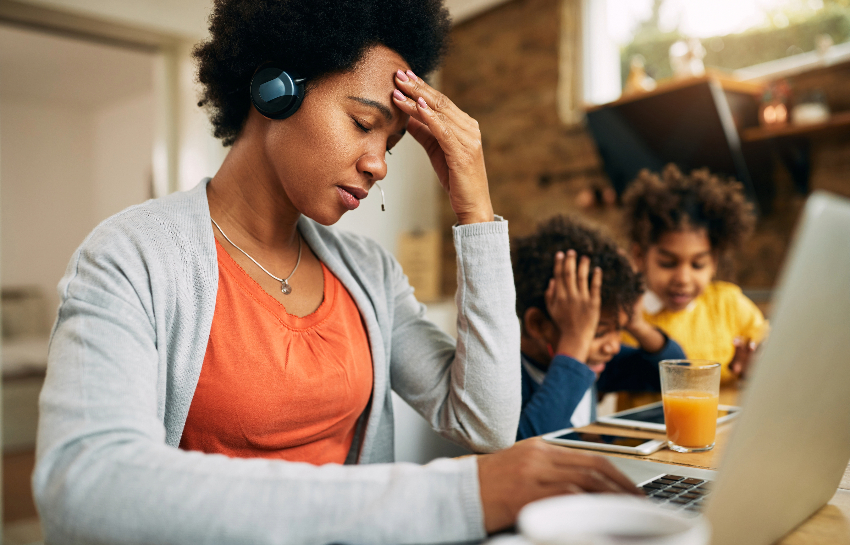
607	439
655	415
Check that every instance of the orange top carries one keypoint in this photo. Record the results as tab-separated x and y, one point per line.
274	385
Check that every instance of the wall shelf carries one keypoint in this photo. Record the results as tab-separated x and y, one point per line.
838	122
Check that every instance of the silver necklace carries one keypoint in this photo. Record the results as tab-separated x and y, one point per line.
285	288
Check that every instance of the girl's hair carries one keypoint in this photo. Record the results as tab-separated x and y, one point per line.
674	202
313	38
534	260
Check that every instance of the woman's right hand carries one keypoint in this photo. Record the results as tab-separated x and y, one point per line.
533	469
574	303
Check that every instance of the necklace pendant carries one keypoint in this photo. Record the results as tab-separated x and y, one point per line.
285	287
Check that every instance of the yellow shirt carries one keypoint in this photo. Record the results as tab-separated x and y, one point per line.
709	325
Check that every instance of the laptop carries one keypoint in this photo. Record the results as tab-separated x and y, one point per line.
789	449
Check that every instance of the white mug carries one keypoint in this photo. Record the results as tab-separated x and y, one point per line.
607	519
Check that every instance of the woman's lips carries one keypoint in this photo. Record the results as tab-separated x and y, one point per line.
350	198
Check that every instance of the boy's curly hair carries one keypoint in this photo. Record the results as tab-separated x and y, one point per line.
313	38
673	202
534	260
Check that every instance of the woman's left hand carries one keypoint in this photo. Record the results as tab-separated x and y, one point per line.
452	140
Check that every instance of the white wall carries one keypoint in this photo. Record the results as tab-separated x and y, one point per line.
122	148
182	17
65	169
47	206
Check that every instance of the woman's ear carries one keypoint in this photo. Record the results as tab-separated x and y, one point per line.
539	327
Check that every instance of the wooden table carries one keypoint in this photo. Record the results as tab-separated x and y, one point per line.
828	526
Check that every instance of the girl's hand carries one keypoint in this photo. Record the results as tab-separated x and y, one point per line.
573	305
744	350
650	339
453	143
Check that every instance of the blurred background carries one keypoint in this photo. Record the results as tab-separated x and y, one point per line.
98	111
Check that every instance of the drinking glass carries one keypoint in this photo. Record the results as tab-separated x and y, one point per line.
690	391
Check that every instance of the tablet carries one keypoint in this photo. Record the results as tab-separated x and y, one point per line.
651	417
569	437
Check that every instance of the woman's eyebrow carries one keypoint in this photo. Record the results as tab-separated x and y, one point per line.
388	115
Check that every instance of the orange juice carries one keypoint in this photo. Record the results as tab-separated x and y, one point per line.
691	417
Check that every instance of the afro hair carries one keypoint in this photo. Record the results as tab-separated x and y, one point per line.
534	260
674	202
313	38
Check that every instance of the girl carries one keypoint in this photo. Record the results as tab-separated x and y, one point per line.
681	227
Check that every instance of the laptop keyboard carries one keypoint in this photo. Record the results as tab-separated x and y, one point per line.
678	493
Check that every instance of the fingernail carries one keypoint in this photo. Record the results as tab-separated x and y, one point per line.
401	75
571	252
752	346
422	103
412	75
736	341
398	95
559	255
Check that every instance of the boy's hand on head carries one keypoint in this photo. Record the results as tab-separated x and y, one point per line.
744	350
574	303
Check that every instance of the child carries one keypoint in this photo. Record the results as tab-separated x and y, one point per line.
680	227
571	323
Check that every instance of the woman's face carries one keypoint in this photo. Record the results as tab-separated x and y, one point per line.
328	155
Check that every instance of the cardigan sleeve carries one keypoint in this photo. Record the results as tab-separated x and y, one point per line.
550	406
469	392
105	473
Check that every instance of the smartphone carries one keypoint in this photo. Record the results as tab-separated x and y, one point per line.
569	437
651	417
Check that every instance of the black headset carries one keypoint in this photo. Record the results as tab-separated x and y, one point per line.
276	93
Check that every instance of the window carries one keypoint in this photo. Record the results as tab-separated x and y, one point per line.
749	38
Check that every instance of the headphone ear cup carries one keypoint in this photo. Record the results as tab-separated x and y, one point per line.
276	93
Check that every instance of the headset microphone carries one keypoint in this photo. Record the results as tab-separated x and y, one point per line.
276	93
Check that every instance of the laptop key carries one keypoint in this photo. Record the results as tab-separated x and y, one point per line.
690	496
662	494
664	481
653	485
693	481
678	486
673	477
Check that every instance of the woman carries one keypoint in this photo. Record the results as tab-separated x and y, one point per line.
220	354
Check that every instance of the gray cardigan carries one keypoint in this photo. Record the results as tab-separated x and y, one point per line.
137	302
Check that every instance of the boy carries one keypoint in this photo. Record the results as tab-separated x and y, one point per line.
576	292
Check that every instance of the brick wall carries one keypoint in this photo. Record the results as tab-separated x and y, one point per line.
503	71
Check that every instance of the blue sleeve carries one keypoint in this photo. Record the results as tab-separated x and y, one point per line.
635	370
550	405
